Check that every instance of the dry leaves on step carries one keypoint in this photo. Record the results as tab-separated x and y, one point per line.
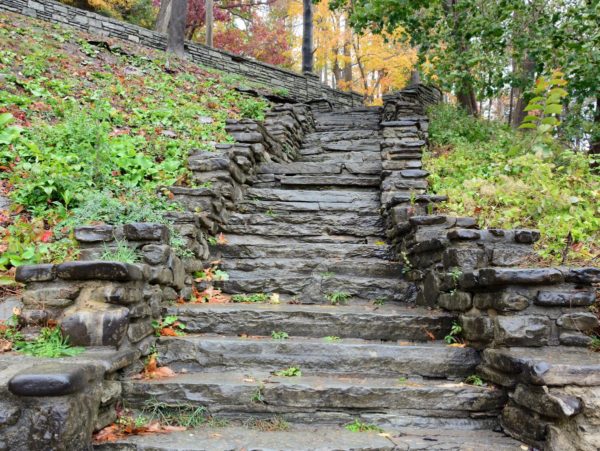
153	371
5	345
117	431
211	295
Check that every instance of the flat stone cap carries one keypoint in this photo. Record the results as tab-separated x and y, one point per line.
101	270
49	379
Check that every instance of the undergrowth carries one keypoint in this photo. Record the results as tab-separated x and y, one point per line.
491	172
50	343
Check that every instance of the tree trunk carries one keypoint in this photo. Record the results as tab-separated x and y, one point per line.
209	22
527	71
307	37
415	78
164	14
595	142
347	65
176	30
466	99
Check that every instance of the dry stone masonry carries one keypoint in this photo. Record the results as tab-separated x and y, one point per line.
327	213
299	87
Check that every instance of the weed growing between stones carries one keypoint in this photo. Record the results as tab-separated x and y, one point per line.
595	343
10	333
338	297
120	253
292	371
267	425
473	379
331	339
359	426
279	335
250	298
179	414
169	326
50	343
453	336
257	395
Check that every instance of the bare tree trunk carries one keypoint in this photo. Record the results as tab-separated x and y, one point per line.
526	74
209	22
307	37
595	144
176	30
466	99
347	64
415	78
164	14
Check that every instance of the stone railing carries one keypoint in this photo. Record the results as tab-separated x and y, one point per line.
301	88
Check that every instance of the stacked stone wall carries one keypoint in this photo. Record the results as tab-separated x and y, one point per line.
299	87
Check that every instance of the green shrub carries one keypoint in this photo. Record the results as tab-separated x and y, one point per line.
50	343
490	171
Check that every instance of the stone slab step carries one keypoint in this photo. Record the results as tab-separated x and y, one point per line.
333	136
323	268
328	181
356	198
365	205
315	437
303	224
318	355
359	320
276	248
313	398
305	240
351	154
313	287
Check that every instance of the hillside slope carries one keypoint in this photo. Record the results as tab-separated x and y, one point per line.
90	129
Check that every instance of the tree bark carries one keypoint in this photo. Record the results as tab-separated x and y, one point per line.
466	98
527	71
176	30
164	15
595	143
415	78
347	64
307	36
209	22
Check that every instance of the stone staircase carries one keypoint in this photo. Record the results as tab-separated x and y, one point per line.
306	230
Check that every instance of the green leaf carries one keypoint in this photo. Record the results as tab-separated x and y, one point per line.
550	120
527	125
553	109
533	107
530	118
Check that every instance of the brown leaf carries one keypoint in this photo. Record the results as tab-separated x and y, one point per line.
5	345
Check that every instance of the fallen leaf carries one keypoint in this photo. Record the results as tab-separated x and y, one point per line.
5	345
221	239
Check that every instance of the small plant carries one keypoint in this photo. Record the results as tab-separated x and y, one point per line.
292	371
402	380
379	302
169	326
453	336
267	425
455	274
473	379
406	265
338	297
250	298
257	395
178	414
279	335
51	343
213	273
331	338
359	426
595	343
271	213
121	253
9	332
327	274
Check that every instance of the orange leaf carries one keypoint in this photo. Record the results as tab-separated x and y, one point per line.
221	239
168	332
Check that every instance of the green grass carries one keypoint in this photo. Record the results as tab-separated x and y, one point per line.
279	335
338	297
292	371
120	253
490	171
473	379
177	414
250	298
51	343
359	426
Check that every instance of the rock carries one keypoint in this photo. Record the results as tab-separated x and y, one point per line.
583	275
458	300
7	307
550	404
169	294
573	298
50	379
524	425
94	233
527	330
527	236
121	295
414	173
426	220
575	339
466	222
504	301
52	296
582	321
102	270
463	234
35	273
96	325
477	328
498	276
156	254
139	330
144	231
463	258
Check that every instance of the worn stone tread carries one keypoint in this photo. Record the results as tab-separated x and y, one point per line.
356	320
347	356
316	437
274	248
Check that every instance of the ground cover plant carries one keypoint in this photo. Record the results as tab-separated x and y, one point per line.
502	177
93	131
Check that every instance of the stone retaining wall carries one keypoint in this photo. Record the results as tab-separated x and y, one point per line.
301	88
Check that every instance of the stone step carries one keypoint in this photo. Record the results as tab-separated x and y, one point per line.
313	288
334	181
323	268
302	224
277	247
333	136
351	155
331	399
314	437
307	206
316	240
362	321
350	357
